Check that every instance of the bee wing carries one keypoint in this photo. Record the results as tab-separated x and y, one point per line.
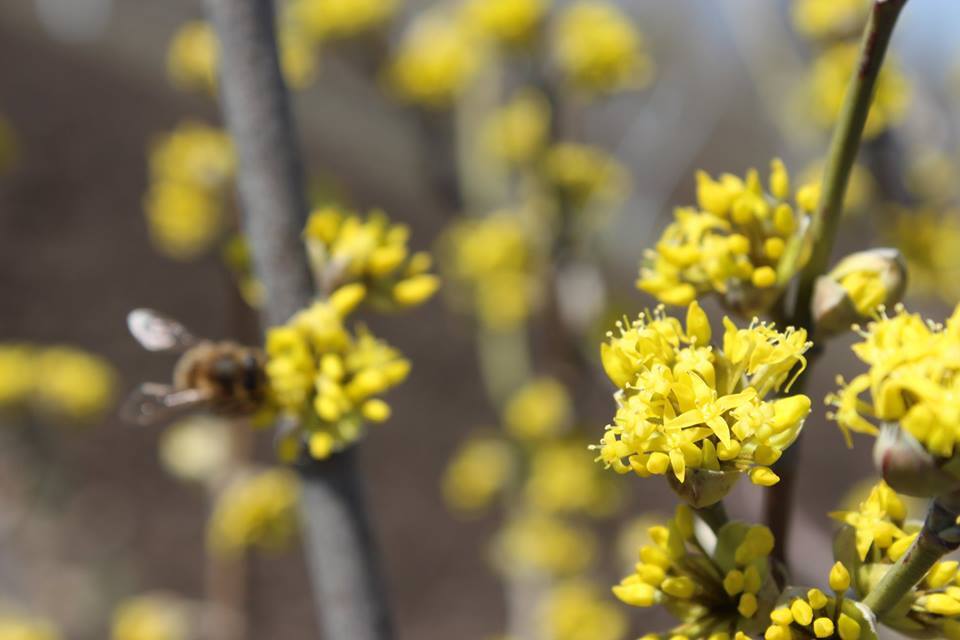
157	332
152	402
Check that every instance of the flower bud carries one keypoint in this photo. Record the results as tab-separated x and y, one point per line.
856	287
908	467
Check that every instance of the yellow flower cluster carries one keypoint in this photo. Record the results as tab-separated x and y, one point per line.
327	379
540	545
732	243
437	59
810	613
332	19
583	174
684	405
576	610
478	473
197	448
538	410
190	170
345	248
62	382
726	594
493	264
830	19
192	58
517	132
828	81
874	537
912	380
507	21
151	617
256	509
16	626
598	49
563	479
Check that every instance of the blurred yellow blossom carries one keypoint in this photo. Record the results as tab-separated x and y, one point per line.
190	169
330	19
436	61
197	448
192	57
327	379
828	85
517	131
345	248
931	176
732	243
507	21
151	617
72	383
829	19
599	49
477	472
584	174
542	545
699	413
563	479
732	588
930	243
492	267
578	610
256	509
540	409
17	626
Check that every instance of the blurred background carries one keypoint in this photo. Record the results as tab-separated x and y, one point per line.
90	90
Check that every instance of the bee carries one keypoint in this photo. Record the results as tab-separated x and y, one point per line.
224	377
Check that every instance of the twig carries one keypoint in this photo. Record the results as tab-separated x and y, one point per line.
337	538
823	229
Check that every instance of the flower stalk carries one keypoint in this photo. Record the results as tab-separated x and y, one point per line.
841	156
931	545
338	540
714	516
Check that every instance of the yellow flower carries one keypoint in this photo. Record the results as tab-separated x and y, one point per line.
732	243
151	617
328	380
507	21
812	614
345	248
492	265
257	509
598	48
478	471
583	174
828	84
542	545
192	57
331	19
197	448
17	374
930	242
875	522
576	610
684	405
517	131
540	409
562	479
436	61
729	588
912	380
72	383
15	626
828	19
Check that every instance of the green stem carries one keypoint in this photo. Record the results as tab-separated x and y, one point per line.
823	227
912	566
714	516
841	156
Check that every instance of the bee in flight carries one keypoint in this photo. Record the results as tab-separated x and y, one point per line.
225	377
